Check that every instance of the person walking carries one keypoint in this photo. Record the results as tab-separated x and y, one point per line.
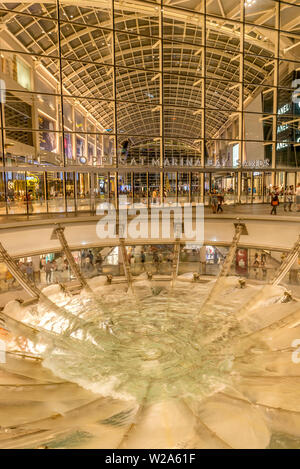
156	261
99	261
48	270
154	196
28	199
274	203
143	260
214	202
263	268
29	271
263	257
256	266
220	199
288	198
91	256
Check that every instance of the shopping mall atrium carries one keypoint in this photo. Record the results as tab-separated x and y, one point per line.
149	236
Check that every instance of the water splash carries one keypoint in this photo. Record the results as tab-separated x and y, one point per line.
119	346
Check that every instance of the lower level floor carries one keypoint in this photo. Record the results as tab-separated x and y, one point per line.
157	260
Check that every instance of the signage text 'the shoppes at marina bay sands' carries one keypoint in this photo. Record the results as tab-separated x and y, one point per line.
185	162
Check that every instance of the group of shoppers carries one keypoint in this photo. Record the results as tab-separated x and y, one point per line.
90	263
289	194
58	269
147	257
260	263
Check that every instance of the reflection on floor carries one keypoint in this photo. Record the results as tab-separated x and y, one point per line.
152	369
58	211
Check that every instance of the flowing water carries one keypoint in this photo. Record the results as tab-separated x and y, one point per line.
150	348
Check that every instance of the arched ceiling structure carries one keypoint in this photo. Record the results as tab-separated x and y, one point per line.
87	45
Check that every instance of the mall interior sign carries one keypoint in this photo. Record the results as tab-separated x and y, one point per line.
186	162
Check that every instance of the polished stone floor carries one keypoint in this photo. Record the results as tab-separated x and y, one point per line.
230	209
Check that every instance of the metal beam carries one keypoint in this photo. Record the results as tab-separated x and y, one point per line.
175	264
240	228
17	273
58	233
287	263
126	265
32	290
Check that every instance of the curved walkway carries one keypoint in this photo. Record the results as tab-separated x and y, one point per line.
33	236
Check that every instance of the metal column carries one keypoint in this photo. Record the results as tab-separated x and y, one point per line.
175	263
287	263
14	269
58	233
240	228
126	265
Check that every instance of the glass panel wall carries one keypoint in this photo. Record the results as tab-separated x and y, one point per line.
184	187
170	187
3	205
18	198
83	191
70	191
162	90
56	192
36	190
140	188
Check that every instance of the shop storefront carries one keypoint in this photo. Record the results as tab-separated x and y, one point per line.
34	192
